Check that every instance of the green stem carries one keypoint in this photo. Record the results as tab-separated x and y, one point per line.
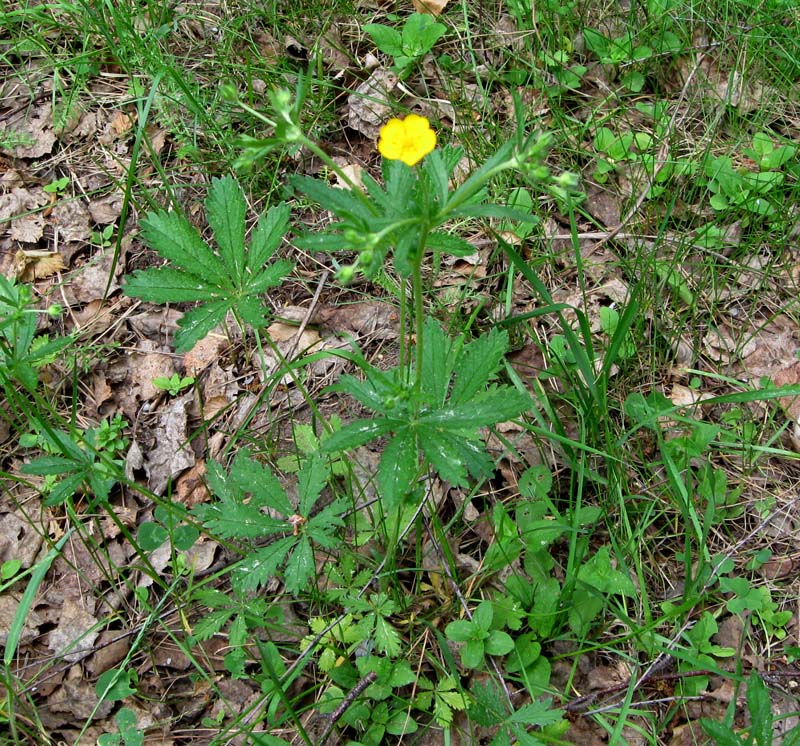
419	313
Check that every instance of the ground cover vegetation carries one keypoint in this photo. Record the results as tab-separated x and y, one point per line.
377	373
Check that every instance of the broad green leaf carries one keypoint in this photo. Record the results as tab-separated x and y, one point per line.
449	243
721	733
269	276
206	627
262	565
357	434
387	641
398	468
300	567
477	364
760	708
226	210
482	616
536	713
599	574
311	481
168	285
45	465
239	521
452	455
460	630
498	643
343	202
174	238
151	535
472	653
267	236
194	325
386	39
114	685
485	409
248	476
437	363
440	449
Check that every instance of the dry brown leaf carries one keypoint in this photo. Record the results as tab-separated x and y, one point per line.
18	540
89	282
371	105
71	218
39	125
171	453
37	265
369	318
74	636
190	488
106	210
9	604
27	228
96	315
433	7
148	362
122	121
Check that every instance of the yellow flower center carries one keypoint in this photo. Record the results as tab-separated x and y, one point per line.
408	140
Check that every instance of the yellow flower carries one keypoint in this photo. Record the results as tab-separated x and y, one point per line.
408	140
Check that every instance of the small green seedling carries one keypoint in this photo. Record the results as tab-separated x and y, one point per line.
417	38
103	238
174	384
57	186
478	636
129	734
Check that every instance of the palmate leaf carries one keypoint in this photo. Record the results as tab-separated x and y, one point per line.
225	211
231	279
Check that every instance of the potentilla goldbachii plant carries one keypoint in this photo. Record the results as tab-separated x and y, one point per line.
433	405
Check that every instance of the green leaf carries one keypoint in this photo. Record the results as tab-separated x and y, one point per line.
300	567
599	574
266	237
482	616
498	643
536	713
114	685
437	363
357	434
225	211
151	536
449	243
477	364
485	409
472	653
760	708
174	238
420	33
721	733
311	481
208	626
397	471
386	39
387	640
460	630
197	323
262	565
231	281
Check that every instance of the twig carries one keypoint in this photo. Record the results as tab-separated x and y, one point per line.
344	704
